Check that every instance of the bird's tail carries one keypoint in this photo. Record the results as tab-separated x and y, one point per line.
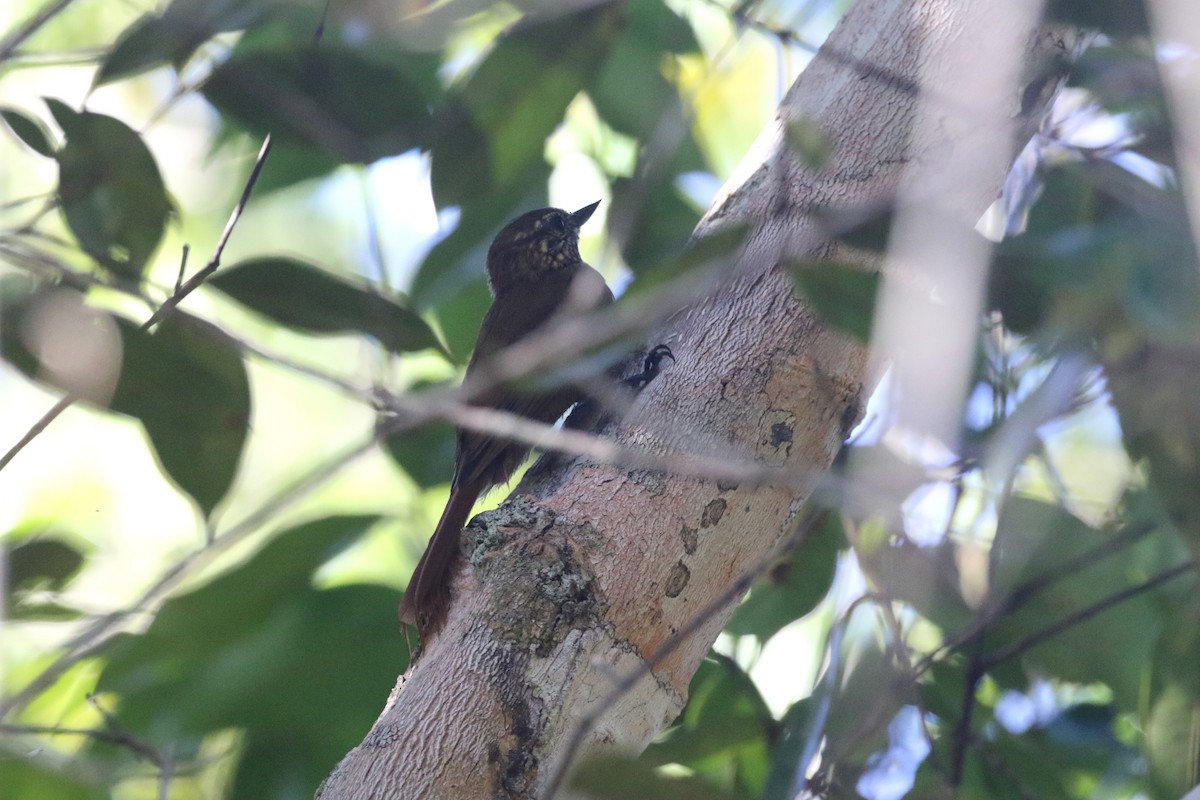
427	598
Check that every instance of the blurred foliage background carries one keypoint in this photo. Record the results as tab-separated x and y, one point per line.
203	554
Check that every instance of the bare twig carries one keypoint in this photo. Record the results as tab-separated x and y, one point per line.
1084	614
168	305
1025	591
214	261
36	428
31	26
962	730
117	737
511	426
182	269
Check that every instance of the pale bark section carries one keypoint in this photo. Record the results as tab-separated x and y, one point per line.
574	581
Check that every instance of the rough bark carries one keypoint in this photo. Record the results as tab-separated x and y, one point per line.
575	581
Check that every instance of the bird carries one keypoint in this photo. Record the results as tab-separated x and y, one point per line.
535	274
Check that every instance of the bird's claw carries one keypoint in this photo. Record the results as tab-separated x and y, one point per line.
651	365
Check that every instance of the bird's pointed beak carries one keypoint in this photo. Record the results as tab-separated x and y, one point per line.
584	214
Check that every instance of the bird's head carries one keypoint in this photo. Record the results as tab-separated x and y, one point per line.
535	243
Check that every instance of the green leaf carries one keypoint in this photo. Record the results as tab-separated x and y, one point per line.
354	104
29	130
925	577
1033	539
713	249
615	778
239	651
806	139
461	315
456	263
190	390
34	777
792	588
1170	740
18	294
292	164
1113	17
843	294
307	298
425	453
651	34
722	734
42	562
656	219
110	190
493	131
869	696
172	38
148	43
795	728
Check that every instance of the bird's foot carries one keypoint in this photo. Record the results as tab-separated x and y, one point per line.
651	366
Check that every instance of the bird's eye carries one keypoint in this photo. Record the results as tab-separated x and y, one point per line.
555	224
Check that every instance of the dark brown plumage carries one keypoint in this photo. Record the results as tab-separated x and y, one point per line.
535	273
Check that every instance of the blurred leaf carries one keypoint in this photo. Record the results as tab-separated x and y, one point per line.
723	731
292	164
42	562
1170	740
190	390
945	687
787	752
806	139
239	651
148	43
493	130
793	588
38	560
173	37
869	697
660	223
718	246
454	268
651	34
307	298
460	316
1078	746
18	293
110	189
865	229
355	104
426	453
1112	17
34	778
927	578
843	294
29	130
1032	539
615	778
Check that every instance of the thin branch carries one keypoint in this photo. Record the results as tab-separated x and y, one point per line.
1084	614
31	26
36	428
414	411
168	305
182	269
962	730
215	260
1025	591
117	737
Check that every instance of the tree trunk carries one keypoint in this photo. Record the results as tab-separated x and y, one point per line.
574	583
